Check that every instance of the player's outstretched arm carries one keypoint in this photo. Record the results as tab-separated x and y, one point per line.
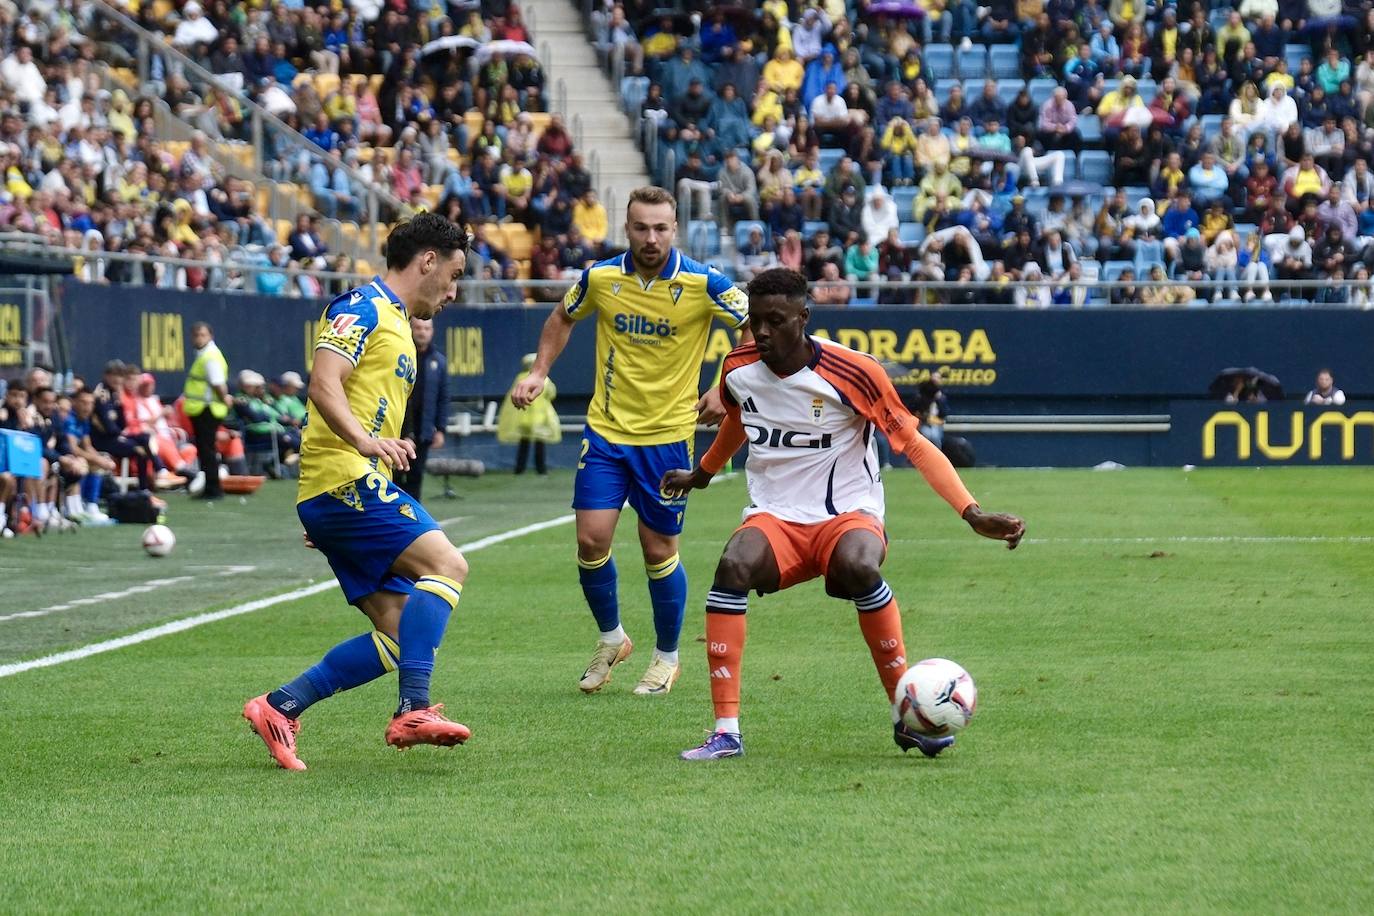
944	479
552	341
327	377
728	441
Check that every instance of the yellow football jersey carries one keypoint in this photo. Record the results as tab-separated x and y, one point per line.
650	338
369	327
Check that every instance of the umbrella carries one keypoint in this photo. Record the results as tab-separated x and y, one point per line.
449	43
504	46
896	9
682	23
1254	380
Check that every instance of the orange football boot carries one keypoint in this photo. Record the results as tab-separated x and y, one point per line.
276	731
425	726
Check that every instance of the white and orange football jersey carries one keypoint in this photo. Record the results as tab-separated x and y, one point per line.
811	434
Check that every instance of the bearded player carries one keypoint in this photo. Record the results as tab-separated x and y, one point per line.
391	559
808	409
653	308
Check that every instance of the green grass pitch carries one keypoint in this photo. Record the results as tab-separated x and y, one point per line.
1175	715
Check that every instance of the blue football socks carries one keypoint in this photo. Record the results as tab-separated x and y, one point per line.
423	621
668	594
599	587
350	664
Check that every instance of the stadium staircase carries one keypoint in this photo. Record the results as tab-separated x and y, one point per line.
591	105
278	201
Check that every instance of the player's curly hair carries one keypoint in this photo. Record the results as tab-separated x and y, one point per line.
422	232
779	281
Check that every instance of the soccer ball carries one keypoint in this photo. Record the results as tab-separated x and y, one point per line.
936	697
158	540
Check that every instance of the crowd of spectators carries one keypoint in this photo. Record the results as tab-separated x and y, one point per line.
461	129
1244	128
119	433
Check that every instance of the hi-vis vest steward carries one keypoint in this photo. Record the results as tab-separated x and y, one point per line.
198	392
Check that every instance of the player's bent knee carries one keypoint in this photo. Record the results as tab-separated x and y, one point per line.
734	572
453	566
849	577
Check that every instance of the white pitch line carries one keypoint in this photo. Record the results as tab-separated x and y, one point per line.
144	588
178	626
453	521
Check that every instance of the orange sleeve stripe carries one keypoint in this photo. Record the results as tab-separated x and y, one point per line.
856	387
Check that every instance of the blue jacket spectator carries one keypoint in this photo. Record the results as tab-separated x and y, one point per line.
331	189
1179	218
821	72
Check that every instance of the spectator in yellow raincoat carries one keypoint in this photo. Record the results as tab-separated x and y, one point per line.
537	424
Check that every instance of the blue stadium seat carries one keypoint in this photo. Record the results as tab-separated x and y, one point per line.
1007	89
1112	85
1294	54
904	198
939	61
1147	90
703	238
973	62
1198	304
1245	230
633	90
866	302
942	88
1004	61
744	226
1095	165
911	233
1148	252
1041	90
723	265
1211	125
973	90
812	226
1112	270
1135	194
1090	128
829	158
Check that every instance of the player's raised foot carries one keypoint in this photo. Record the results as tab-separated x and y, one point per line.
425	726
598	673
716	747
907	739
276	731
659	678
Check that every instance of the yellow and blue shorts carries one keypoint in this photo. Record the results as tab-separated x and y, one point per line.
609	475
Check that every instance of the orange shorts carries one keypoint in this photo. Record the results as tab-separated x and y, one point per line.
803	551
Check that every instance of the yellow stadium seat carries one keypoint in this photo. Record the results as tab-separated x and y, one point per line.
124	76
325	83
375	81
472	120
518	241
356	81
538	121
454	157
262	200
301	79
284	229
175	148
361	266
522	269
365	153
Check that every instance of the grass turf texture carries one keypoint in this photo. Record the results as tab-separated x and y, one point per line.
1164	724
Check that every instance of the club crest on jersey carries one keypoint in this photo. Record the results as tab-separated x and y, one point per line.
408	511
342	323
676	290
348	495
615	289
816	405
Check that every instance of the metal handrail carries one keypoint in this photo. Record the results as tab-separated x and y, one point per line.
260	117
34	245
560	97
